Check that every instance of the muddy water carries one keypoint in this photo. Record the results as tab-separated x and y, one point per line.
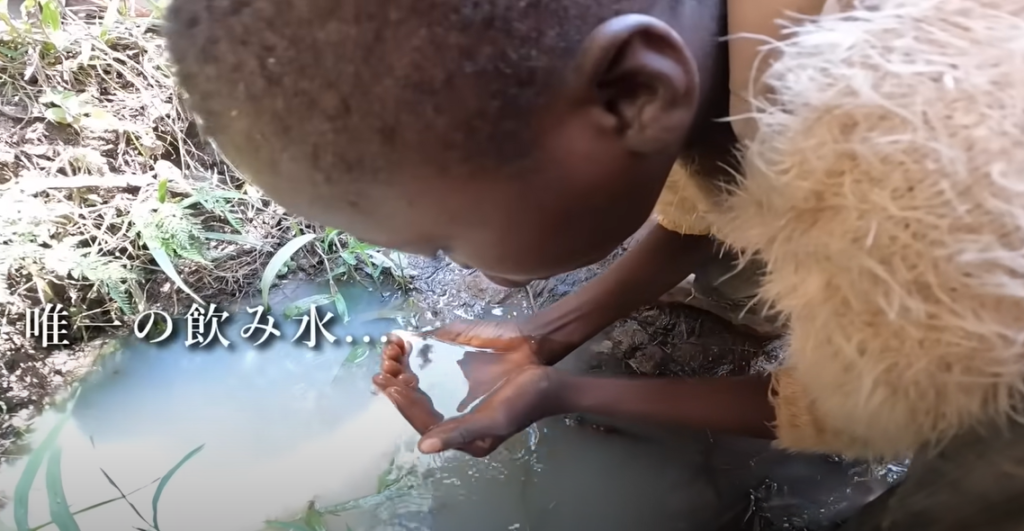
283	425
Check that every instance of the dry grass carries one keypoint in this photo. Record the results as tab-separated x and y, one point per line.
111	204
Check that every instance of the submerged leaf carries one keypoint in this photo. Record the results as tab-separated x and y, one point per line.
59	512
23	488
167	478
302	306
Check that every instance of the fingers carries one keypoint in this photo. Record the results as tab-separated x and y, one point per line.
396	348
394	361
415	406
457	332
469	433
384	381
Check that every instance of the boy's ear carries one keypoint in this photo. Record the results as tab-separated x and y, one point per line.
642	78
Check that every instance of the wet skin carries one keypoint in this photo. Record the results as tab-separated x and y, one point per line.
516	400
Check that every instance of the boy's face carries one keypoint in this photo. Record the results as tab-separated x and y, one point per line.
602	146
581	197
602	149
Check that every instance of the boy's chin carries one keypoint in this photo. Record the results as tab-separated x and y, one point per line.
506	282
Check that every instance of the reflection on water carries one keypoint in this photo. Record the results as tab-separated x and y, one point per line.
284	425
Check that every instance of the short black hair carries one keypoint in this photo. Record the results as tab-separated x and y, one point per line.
346	84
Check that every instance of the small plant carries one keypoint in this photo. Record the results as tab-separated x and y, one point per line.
68	108
61	515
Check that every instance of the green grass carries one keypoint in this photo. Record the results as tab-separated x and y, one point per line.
61	515
113	203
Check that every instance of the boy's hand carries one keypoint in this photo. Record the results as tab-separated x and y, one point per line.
511	349
519	401
515	404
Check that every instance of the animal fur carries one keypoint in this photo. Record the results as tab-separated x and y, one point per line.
885	190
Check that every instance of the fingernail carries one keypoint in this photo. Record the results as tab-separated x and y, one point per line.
430	446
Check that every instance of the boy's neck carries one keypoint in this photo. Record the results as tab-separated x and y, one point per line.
704	27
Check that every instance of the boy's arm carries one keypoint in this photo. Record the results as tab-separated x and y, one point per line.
740	405
657	263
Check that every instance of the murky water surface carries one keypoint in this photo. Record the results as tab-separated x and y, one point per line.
285	428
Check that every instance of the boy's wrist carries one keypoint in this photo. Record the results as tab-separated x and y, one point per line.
558	395
557	331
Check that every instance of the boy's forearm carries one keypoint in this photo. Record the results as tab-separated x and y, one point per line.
740	405
659	261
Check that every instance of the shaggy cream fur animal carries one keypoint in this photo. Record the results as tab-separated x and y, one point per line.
885	190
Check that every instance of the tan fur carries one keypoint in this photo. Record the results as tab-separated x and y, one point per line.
683	202
885	190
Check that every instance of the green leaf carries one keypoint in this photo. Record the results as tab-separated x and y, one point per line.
357	354
278	261
59	512
384	479
314	520
23	489
91	507
205	196
167	265
100	120
167	478
329	235
341	306
58	115
161	187
109	18
51	15
302	306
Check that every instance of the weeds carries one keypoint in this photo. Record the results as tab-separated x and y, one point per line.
61	515
113	201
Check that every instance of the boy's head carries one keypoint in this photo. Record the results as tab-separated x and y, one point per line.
521	137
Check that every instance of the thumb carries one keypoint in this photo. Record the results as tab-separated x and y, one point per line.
464	332
478	334
452	434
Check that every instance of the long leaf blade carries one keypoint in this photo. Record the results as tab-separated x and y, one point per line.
35	461
91	507
164	261
59	512
277	262
166	479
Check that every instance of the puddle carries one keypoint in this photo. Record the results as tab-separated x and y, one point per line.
282	426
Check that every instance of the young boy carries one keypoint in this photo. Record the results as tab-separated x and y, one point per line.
881	188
